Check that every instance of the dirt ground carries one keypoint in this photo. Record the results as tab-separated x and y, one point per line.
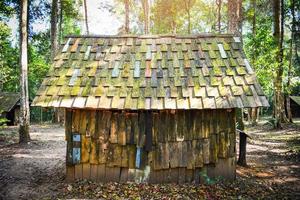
36	170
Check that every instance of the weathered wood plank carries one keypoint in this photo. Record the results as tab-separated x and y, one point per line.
142	130
189	175
83	122
213	146
190	155
114	127
78	171
94	151
91	124
131	156
222	153
69	138
198	153
85	148
121	129
102	152
70	173
86	171
148	118
124	158
124	175
173	175
181	175
174	154
101	173
94	172
112	174
75	121
206	151
128	129
155	121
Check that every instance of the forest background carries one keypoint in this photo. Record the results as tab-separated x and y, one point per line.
270	31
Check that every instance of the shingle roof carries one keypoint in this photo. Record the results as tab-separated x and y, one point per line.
151	72
8	100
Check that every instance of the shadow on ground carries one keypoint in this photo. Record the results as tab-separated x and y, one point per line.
36	170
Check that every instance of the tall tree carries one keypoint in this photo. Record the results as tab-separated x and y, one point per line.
288	99
126	3
24	112
234	27
54	28
278	14
219	6
146	12
86	17
253	112
235	18
187	6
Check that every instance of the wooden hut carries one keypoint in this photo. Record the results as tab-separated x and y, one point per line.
150	108
295	106
10	107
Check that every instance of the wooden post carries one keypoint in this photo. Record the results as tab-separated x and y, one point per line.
243	149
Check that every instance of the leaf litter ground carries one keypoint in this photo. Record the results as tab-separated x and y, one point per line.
36	170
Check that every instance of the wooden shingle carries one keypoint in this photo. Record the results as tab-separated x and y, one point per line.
159	72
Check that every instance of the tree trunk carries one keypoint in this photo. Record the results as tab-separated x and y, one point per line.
187	5
53	28
288	100
254	18
24	136
86	17
235	19
146	10
126	2
60	21
279	110
219	6
189	21
254	115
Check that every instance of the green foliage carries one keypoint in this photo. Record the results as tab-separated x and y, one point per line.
8	60
261	50
3	120
70	17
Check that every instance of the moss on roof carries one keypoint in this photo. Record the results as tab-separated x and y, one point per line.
151	72
8	100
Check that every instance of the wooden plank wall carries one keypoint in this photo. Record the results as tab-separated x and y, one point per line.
157	146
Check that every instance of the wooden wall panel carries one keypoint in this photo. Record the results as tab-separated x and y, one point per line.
173	143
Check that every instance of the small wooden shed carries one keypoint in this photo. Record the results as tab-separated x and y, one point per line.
10	107
150	108
295	106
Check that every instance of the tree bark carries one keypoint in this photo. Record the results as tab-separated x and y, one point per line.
187	5
126	2
24	136
86	17
288	100
146	10
235	19
219	6
279	110
53	28
60	21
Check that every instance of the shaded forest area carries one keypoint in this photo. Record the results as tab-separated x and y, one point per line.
269	31
25	170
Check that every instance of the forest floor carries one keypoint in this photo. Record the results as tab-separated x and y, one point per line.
36	170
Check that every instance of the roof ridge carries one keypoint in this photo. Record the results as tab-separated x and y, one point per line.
199	35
